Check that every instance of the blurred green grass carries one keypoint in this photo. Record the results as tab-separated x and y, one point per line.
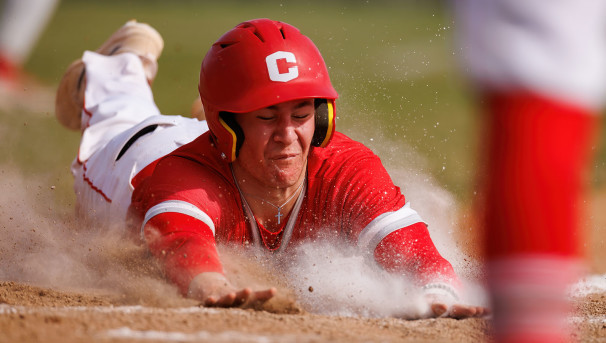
393	64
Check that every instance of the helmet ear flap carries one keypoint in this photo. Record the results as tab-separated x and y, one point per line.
228	121
324	122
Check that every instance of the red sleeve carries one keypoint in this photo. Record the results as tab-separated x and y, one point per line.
184	245
410	251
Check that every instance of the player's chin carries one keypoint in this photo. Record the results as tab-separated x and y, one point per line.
287	175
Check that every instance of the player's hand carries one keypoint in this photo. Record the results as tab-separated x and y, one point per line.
214	290
440	307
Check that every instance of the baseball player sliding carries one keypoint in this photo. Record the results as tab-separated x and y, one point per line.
269	171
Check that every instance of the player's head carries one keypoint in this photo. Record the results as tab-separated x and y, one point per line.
257	64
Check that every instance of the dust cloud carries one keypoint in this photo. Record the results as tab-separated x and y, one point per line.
324	277
45	247
335	279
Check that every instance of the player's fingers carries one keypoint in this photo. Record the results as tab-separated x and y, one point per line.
482	311
241	297
265	295
210	301
461	311
259	298
226	301
438	309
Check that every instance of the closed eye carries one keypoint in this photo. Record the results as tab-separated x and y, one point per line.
301	116
265	117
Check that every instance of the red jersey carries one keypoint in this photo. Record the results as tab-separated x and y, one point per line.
191	201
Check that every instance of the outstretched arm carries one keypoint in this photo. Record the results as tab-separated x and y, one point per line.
388	227
186	247
410	251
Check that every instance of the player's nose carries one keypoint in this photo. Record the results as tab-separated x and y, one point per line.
285	130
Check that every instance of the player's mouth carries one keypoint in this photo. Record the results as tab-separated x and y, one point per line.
284	157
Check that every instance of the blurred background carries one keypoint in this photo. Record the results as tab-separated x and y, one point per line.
394	64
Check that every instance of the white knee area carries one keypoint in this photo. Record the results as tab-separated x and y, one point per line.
117	97
555	48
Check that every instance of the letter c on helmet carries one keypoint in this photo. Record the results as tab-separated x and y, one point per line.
274	71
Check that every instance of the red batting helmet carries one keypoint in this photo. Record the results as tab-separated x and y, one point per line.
257	64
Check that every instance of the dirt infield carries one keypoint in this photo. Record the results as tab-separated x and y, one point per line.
34	314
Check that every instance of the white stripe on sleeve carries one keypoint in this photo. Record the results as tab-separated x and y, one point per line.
177	206
385	224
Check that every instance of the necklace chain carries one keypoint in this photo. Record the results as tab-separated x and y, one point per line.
279	215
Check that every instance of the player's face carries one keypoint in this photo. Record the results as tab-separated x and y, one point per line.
276	143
